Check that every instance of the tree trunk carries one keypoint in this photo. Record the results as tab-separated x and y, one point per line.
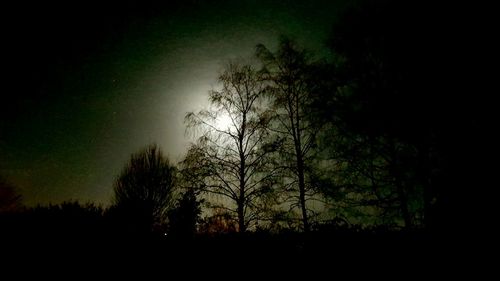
302	185
395	170
424	175
403	204
241	218
302	194
300	162
402	198
241	201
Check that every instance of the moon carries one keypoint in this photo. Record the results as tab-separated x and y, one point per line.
223	122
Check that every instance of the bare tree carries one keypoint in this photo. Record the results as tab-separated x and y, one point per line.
230	154
145	187
287	71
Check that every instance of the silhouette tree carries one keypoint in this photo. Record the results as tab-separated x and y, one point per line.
144	191
376	174
69	218
287	70
388	117
68	223
184	218
10	200
231	153
219	222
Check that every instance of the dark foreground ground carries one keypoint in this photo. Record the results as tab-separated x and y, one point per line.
327	252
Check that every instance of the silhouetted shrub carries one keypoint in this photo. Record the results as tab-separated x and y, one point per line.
144	192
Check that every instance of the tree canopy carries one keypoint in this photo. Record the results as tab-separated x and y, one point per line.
144	191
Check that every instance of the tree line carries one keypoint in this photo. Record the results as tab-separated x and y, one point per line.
292	140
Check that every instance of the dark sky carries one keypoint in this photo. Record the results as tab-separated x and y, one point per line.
90	83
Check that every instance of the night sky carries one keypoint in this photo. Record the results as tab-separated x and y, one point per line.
90	83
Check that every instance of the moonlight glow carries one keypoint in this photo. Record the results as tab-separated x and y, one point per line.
223	122
109	96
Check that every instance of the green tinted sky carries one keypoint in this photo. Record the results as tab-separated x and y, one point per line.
87	92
